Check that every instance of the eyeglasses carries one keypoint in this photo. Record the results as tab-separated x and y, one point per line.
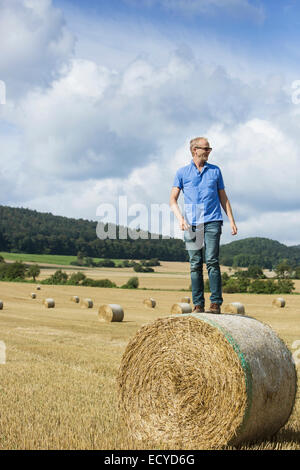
207	149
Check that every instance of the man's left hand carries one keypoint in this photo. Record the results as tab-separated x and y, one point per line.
234	229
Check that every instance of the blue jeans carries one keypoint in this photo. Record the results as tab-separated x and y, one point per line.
212	234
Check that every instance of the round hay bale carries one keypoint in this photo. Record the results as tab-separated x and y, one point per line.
49	303
110	313
87	303
181	307
235	307
1	305
186	300
205	381
33	295
279	302
38	287
75	299
150	303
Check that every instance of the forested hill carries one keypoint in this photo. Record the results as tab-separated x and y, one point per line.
259	251
29	231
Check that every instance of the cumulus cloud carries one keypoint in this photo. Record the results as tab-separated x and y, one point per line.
96	122
259	162
91	133
35	42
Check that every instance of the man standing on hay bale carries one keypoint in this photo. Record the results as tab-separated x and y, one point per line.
203	188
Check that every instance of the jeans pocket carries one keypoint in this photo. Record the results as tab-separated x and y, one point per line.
194	240
215	227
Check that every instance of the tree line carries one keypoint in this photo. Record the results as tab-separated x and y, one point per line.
19	271
254	281
259	251
28	231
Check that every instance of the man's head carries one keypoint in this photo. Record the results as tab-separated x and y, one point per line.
200	149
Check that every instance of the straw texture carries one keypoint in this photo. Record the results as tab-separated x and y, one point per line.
235	308
75	299
205	381
181	307
186	300
279	302
49	303
111	313
149	303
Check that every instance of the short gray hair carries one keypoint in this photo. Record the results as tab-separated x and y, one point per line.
194	141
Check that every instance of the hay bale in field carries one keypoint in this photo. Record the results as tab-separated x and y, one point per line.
279	302
38	287
186	300
75	299
206	381
111	313
33	295
235	307
49	303
150	303
1	305
181	307
87	303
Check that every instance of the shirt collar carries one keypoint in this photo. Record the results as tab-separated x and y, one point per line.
193	163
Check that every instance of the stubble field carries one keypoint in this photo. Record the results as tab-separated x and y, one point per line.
58	385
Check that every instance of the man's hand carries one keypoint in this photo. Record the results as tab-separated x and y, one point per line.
183	224
234	229
175	208
227	209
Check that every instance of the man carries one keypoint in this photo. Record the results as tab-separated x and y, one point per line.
203	188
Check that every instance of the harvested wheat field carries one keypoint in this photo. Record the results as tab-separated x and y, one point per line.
59	382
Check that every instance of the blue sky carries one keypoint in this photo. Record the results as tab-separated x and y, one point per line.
267	29
104	96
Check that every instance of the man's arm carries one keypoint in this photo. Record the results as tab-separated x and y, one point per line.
175	208
227	209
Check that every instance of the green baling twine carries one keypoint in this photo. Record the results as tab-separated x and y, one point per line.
244	363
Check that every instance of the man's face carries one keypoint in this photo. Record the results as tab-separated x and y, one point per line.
201	150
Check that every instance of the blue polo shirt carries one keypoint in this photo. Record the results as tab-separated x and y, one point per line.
201	197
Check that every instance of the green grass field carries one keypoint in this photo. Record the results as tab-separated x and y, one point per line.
63	260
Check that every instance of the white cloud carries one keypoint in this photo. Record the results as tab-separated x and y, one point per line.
34	44
259	163
93	132
281	226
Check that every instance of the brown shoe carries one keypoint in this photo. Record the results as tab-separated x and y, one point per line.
214	308
198	309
